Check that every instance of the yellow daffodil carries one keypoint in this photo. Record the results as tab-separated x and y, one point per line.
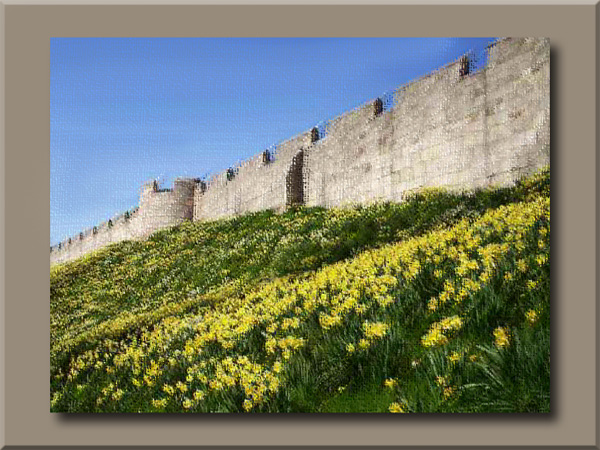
390	383
501	336
397	408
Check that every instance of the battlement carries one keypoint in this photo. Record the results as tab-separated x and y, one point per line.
459	127
158	208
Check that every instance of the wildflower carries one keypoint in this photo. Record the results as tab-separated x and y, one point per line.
360	309
436	335
441	381
390	383
198	395
532	316
159	403
364	344
433	338
328	322
248	405
203	378
448	391
472	358
187	403
108	389
397	408
385	300
451	323
462	294
375	330
350	348
415	363
277	367
531	285
271	345
290	323
432	304
454	357
522	265
501	337
181	386
449	287
508	276
55	398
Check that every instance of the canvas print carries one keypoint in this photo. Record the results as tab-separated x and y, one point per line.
300	225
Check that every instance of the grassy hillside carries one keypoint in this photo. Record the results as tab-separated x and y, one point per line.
438	304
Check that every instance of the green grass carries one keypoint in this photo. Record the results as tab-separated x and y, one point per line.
128	297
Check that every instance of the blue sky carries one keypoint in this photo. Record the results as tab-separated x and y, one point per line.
127	110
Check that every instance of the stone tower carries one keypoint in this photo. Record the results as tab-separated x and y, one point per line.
183	198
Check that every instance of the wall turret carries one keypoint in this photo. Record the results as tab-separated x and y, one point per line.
183	198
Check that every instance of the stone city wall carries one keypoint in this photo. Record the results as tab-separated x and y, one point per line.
453	128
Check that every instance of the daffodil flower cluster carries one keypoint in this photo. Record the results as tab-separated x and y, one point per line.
247	341
501	337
